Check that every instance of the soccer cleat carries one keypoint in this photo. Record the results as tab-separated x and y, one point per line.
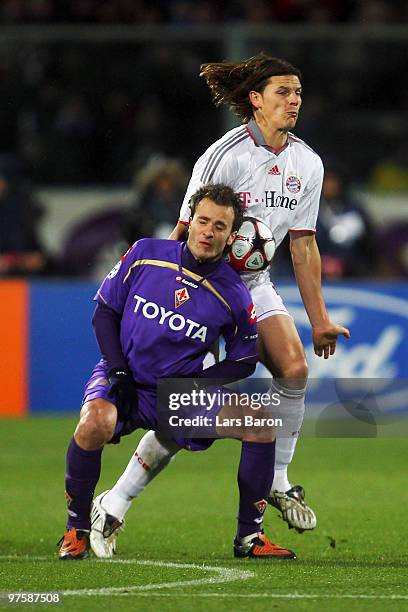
74	545
295	512
259	547
104	529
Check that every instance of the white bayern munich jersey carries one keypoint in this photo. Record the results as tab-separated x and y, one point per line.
280	187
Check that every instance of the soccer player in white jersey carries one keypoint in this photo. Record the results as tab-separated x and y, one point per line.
280	179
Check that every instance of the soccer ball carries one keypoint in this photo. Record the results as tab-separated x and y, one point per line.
253	248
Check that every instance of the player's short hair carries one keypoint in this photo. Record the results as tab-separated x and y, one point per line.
223	196
230	83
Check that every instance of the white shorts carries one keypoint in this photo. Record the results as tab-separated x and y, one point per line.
267	300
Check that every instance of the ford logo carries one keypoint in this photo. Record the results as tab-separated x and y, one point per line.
376	354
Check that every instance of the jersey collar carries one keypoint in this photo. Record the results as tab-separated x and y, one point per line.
258	138
203	269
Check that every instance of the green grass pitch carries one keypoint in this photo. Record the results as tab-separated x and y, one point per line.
176	551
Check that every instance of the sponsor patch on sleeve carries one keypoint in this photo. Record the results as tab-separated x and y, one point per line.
249	337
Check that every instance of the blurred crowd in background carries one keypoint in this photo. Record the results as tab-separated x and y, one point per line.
350	244
90	113
83	113
184	12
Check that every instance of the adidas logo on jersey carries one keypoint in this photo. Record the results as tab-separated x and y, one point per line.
274	170
175	321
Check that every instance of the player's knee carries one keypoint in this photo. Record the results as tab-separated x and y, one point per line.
295	373
96	425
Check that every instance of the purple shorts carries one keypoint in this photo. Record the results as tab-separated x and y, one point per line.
143	416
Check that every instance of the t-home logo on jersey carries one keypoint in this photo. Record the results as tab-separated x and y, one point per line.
175	322
271	199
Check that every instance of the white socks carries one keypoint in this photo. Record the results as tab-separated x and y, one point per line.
280	480
291	410
151	457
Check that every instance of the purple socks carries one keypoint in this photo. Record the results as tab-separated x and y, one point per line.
83	471
255	477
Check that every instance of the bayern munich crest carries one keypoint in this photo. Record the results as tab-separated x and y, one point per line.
293	184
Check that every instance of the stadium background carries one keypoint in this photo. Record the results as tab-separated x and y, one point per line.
93	92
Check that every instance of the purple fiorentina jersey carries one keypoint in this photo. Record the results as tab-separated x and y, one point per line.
171	316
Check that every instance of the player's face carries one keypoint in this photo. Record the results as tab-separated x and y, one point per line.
210	230
280	102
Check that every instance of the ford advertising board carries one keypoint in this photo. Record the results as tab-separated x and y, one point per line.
376	354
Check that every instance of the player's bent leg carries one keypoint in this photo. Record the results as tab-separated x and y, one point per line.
282	352
152	455
96	426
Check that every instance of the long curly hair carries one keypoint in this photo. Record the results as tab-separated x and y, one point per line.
230	83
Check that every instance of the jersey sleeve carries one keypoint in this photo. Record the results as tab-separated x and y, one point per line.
308	207
194	184
224	172
114	289
240	338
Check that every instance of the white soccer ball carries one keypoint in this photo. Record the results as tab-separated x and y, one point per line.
253	248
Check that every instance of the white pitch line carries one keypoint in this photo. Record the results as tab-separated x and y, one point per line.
225	575
273	595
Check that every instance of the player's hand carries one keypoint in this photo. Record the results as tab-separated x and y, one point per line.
122	391
325	338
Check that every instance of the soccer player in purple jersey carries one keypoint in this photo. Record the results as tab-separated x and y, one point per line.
158	312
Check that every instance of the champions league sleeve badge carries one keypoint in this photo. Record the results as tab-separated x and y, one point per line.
114	270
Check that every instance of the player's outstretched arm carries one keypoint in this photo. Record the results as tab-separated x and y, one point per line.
178	231
307	268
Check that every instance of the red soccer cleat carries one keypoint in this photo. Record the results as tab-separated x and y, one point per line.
259	547
74	545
